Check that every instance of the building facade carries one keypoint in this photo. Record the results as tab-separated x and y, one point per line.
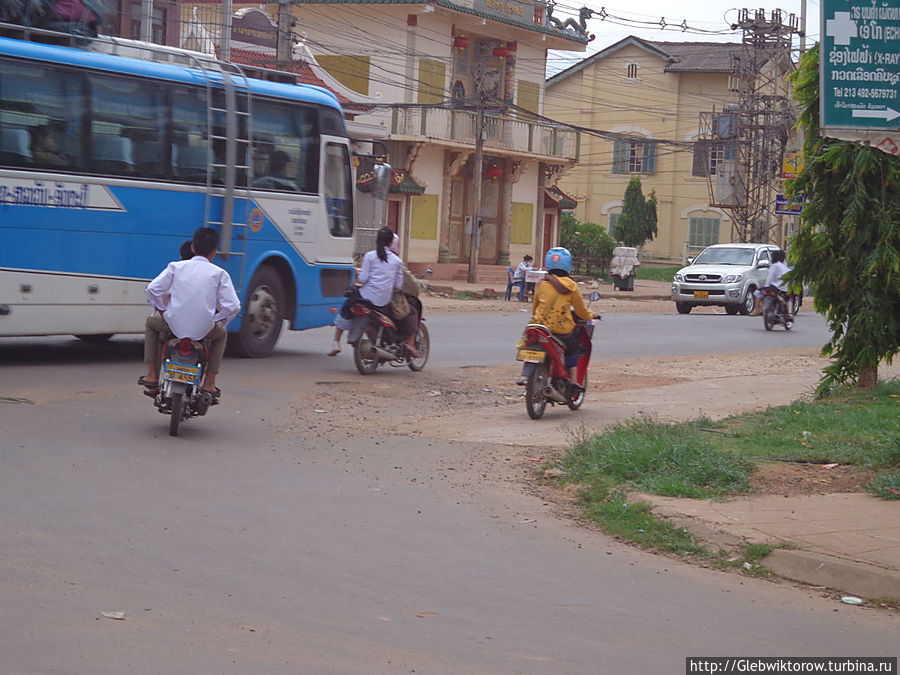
417	73
645	99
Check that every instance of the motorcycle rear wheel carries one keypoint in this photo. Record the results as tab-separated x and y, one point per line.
365	365
177	409
535	401
575	403
768	314
422	345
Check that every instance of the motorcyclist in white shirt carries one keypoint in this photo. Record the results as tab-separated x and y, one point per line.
195	299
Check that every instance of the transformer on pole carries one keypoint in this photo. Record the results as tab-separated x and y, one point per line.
746	140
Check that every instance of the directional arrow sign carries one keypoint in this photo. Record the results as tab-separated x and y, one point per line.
860	66
888	114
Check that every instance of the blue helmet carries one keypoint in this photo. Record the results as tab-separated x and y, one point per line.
558	258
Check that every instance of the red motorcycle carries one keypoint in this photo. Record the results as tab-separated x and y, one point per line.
546	372
376	340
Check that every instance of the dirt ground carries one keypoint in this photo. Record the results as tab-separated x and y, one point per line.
483	409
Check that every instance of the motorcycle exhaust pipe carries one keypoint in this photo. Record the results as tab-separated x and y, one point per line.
203	403
551	393
382	354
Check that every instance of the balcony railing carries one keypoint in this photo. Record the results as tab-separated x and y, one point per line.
502	133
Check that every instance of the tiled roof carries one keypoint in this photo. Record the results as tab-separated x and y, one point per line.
401	183
700	57
681	57
560	198
446	4
305	74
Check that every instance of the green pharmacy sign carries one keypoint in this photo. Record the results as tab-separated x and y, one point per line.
860	66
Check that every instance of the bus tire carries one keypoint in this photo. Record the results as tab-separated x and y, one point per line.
264	312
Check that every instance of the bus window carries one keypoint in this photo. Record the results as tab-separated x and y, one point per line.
336	185
127	125
40	117
285	148
190	137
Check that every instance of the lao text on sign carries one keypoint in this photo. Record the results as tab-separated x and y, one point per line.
860	70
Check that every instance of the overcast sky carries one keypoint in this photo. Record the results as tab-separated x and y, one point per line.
708	21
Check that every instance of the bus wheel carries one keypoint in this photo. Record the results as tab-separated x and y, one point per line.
264	313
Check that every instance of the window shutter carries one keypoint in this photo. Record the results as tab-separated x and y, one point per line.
431	81
528	95
700	166
351	71
620	156
648	160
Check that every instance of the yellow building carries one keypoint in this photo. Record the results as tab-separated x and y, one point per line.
645	98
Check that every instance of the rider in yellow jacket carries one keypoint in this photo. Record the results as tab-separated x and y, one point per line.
555	298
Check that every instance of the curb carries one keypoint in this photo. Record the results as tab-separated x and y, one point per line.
848	576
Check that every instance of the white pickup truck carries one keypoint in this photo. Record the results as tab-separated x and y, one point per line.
724	275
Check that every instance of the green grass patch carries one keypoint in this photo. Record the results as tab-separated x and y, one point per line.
634	521
655	273
706	459
886	486
673	460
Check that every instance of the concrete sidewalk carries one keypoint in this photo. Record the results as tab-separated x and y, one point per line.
846	541
643	290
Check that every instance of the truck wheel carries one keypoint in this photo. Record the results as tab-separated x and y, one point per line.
683	307
749	302
264	313
731	310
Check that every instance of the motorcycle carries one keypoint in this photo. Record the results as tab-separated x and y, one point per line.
376	339
546	372
776	309
180	378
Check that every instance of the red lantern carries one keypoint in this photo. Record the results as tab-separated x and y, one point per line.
493	171
461	42
501	52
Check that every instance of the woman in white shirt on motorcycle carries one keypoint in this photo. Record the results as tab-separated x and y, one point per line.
381	272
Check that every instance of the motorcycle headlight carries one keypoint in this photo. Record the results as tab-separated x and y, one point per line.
679	278
731	278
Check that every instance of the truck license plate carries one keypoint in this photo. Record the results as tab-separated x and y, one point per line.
701	294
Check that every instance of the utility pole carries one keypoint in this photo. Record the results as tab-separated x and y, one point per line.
225	35
477	169
284	40
147	20
750	135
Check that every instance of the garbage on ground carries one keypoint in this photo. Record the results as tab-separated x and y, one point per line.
118	616
852	600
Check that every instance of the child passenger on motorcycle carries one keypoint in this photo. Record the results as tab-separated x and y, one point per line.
556	297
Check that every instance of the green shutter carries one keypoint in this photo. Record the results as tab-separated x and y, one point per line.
648	158
700	166
620	157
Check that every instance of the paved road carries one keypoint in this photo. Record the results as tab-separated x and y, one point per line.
487	339
249	546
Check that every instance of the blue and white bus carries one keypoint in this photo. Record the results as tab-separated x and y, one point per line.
109	163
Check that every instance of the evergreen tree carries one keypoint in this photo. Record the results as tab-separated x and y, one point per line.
848	245
637	224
